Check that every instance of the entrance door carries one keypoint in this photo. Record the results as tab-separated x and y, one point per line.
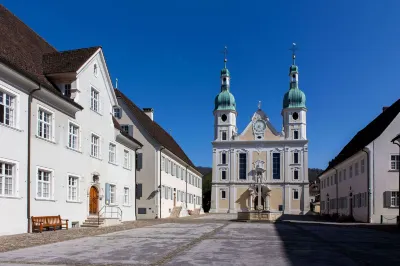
256	203
93	200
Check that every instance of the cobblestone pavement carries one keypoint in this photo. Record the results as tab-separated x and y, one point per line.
216	241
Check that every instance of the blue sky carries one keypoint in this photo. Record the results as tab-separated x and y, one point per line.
167	55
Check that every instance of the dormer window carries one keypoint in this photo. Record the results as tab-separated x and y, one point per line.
67	90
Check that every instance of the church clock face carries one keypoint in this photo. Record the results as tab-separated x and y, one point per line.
259	126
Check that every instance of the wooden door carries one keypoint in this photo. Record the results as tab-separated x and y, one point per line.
93	200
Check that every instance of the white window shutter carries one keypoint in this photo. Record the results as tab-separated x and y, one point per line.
131	130
386	200
101	142
101	105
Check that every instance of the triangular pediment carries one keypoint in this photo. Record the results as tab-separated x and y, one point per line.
269	133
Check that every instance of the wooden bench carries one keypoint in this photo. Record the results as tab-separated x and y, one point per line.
40	222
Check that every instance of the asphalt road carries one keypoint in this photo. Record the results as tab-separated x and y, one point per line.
220	242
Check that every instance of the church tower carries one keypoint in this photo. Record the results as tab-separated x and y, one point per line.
225	108
294	105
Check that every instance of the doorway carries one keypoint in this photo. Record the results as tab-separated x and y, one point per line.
256	203
93	200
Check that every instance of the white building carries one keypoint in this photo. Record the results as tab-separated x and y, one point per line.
166	176
71	157
362	180
260	155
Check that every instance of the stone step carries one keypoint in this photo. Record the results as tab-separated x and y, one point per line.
90	225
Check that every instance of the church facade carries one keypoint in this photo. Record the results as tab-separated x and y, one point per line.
260	168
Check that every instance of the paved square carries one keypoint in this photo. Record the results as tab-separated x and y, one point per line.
217	241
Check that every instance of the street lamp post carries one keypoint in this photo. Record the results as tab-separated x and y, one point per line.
396	141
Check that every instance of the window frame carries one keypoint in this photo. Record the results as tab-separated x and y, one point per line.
69	186
93	101
127	196
294	174
293	193
114	161
67	90
51	125
294	157
394	198
396	162
13	176
277	175
111	185
50	183
245	166
14	99
78	136
224	135
222	174
222	196
98	146
223	158
127	160
295	136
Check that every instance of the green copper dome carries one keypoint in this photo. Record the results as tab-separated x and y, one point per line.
294	98
294	68
225	72
225	101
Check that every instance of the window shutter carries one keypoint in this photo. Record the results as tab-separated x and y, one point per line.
101	105
107	194
139	161
130	130
386	201
138	191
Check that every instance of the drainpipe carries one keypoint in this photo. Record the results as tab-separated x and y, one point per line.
337	190
136	170
160	180
366	150
186	206
28	165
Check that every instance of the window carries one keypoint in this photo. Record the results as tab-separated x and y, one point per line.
43	184
67	90
95	70
113	195
182	174
223	175
223	158
171	195
242	166
167	166
296	175
394	199
296	134
126	196
117	112
125	128
95	146
7	109
295	194
112	155
44	124
73	188
362	166
223	194
127	159
296	157
276	165
340	176
162	164
174	169
178	171
94	100
351	171
344	174
6	179
356	169
73	136
223	135
394	162
178	194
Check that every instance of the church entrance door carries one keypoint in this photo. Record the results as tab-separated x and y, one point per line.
256	203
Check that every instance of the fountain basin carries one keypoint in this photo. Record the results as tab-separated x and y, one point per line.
270	216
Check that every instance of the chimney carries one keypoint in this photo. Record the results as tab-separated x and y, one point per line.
384	108
149	112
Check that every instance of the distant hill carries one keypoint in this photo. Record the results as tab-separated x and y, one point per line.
204	170
313	173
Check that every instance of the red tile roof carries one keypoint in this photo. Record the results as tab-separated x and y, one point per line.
155	130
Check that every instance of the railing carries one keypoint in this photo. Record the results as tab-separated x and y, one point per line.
114	212
389	220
